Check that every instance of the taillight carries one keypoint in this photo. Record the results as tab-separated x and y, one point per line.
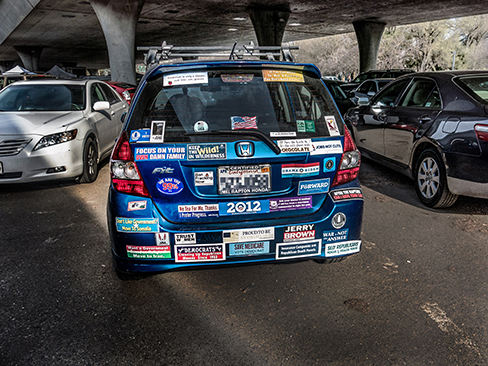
125	174
350	162
481	132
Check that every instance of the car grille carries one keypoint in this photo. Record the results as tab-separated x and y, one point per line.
12	147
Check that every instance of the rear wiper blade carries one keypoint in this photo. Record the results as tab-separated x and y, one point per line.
272	145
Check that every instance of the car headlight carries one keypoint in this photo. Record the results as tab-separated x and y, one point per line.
56	138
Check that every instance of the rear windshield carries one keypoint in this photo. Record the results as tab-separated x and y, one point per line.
278	103
43	97
476	86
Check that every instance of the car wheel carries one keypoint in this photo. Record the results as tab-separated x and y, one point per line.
90	163
431	181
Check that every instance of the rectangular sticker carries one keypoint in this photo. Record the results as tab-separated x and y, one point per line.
244	179
162	238
314	186
299	232
243	207
185	238
347	194
295	146
207	152
143	135
305	126
326	147
288	204
160	153
335	236
300	170
163	252
186	79
136	205
199	253
255	248
342	248
282	134
157	131
283	76
245	235
299	249
130	225
237	78
332	126
198	211
203	179
243	123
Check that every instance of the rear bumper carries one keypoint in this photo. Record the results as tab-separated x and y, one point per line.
228	244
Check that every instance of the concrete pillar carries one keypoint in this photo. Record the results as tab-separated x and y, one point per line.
269	23
118	19
368	35
29	55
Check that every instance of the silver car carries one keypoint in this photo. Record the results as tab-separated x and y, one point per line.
56	129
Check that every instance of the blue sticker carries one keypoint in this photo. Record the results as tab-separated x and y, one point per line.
314	186
254	248
160	153
335	236
207	152
329	164
170	186
243	208
143	135
130	225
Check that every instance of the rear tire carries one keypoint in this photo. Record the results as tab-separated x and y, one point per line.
90	162
431	181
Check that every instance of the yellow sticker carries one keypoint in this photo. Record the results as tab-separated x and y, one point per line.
283	76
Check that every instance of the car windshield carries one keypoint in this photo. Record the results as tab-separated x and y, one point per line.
42	97
477	86
274	102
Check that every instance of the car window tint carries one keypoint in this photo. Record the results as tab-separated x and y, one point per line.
476	86
388	96
109	93
97	94
236	99
421	93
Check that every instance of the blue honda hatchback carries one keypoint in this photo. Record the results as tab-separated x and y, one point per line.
229	163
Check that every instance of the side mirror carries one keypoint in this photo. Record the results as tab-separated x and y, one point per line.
363	101
101	106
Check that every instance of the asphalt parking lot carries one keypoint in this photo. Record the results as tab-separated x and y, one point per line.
415	295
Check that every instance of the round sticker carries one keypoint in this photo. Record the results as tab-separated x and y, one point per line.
200	126
339	220
169	186
135	135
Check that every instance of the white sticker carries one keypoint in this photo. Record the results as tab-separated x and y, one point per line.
332	126
200	126
204	178
244	235
282	134
136	205
186	79
326	147
342	248
157	131
199	208
186	238
295	146
162	238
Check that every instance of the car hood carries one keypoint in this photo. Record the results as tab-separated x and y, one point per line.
36	123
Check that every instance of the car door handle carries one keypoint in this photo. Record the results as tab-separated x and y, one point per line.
424	119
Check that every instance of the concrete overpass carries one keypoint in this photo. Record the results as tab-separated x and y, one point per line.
104	33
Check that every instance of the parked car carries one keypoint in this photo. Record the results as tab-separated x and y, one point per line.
368	88
375	74
433	127
125	90
341	99
231	163
56	129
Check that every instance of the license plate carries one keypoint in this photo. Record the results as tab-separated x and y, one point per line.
247	179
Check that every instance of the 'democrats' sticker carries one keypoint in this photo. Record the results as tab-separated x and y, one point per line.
131	225
157	131
299	249
185	79
199	253
169	186
342	248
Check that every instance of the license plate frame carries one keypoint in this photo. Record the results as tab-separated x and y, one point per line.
244	179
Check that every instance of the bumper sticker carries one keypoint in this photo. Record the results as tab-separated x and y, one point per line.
207	152
347	194
342	248
198	211
335	236
245	235
255	248
288	204
143	135
314	186
299	249
169	186
326	147
299	232
159	153
129	225
199	253
300	170
162	252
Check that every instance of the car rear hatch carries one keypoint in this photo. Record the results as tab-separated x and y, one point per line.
226	145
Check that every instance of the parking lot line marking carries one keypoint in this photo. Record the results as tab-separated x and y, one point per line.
448	326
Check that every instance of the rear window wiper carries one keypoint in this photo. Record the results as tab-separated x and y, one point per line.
272	145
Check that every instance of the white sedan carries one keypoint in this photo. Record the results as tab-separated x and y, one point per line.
56	129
